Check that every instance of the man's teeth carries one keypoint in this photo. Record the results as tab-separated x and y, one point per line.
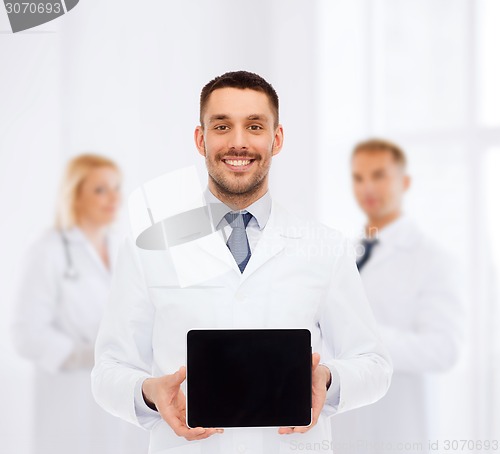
238	162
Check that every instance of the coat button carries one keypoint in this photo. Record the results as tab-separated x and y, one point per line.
242	447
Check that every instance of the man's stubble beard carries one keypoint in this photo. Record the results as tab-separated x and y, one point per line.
237	190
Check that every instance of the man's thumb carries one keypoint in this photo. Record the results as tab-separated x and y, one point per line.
180	375
315	360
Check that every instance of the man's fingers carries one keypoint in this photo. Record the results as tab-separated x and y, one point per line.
291	430
172	409
198	433
171	417
191	434
176	421
181	430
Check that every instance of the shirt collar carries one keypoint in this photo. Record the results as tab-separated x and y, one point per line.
390	230
401	231
74	234
260	209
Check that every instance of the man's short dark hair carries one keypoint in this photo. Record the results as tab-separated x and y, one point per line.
376	145
242	80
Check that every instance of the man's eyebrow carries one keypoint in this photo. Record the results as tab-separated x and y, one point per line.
217	117
257	117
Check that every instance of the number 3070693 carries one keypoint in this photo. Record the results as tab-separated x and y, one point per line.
33	8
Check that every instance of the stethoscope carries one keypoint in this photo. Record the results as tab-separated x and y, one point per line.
70	272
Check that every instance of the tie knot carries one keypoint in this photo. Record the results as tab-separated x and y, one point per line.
238	219
367	250
368	243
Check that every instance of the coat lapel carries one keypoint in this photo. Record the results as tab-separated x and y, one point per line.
380	253
272	241
215	246
76	236
401	236
280	229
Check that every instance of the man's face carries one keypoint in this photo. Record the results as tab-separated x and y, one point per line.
379	183
238	140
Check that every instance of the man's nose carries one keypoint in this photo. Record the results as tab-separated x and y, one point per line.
238	139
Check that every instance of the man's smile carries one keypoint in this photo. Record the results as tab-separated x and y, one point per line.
238	164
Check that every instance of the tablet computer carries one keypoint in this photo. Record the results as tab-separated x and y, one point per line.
249	378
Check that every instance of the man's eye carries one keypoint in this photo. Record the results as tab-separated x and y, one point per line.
221	128
255	127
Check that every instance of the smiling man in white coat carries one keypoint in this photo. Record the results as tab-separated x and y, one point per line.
286	273
414	289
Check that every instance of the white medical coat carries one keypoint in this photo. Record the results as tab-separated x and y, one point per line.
55	317
414	289
300	275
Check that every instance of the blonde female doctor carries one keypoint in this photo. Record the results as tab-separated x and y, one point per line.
64	287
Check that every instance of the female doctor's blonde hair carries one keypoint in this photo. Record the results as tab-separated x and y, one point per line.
77	169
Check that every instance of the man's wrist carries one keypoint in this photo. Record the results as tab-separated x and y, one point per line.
328	376
147	401
328	380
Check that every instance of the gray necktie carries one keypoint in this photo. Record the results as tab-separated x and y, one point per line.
368	245
238	240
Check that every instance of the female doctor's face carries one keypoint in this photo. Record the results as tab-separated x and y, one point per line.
238	140
99	197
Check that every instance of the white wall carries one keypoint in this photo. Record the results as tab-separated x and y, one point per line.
30	165
131	86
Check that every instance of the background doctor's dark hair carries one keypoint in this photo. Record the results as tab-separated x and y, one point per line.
377	145
241	80
76	171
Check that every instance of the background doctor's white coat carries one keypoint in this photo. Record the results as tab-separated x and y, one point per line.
123	78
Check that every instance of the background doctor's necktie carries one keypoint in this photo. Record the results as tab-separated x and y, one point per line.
238	240
368	245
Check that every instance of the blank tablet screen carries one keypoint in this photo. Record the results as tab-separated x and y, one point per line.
249	378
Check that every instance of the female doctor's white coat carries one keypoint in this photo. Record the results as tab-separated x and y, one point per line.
56	318
300	275
415	292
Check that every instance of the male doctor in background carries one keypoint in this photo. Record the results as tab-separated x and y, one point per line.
285	273
413	288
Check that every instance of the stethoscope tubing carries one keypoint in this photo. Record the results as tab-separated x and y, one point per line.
70	273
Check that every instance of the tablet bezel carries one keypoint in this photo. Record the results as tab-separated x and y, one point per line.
289	330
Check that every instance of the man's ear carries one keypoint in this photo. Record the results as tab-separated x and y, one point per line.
199	140
278	140
406	182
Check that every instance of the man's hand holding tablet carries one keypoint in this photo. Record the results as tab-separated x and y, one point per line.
321	378
165	394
